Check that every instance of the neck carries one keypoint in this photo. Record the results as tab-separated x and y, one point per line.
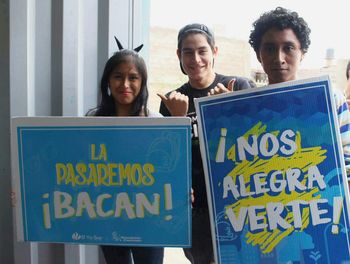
203	82
280	81
123	110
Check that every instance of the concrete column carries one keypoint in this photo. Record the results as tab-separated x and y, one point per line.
52	55
6	227
22	85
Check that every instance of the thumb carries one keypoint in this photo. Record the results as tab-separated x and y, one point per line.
162	97
230	84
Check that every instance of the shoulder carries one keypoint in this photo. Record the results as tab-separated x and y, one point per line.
337	93
92	112
240	83
244	83
339	98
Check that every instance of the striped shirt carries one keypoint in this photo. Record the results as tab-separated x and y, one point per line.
344	126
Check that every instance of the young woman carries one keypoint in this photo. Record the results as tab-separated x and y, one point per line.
124	93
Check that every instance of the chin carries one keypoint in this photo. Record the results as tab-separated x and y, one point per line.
123	102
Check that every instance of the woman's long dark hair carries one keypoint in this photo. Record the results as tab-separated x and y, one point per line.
107	106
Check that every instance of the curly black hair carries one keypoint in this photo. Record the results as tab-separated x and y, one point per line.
280	18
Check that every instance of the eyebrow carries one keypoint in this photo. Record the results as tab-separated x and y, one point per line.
131	73
191	49
284	43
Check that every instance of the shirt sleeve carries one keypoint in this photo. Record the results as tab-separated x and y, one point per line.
243	83
164	110
343	114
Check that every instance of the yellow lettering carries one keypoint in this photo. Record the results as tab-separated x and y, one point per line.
92	175
148	169
80	179
61	173
102	152
136	174
124	173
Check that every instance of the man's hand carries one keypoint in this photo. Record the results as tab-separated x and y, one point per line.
177	103
220	88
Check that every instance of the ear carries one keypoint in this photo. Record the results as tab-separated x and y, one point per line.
215	51
178	53
258	56
302	57
138	48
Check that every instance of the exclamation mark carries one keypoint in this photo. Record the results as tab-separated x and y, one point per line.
46	213
168	200
220	154
337	208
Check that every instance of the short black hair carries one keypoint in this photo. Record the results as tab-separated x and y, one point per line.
280	18
347	70
195	28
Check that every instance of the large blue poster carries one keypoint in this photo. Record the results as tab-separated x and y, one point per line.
275	174
122	181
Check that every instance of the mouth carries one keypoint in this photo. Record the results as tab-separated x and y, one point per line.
279	69
125	93
196	68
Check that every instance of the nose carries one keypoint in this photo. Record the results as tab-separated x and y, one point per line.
280	56
126	82
196	57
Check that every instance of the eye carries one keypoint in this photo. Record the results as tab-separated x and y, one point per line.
289	48
133	77
270	49
116	76
187	52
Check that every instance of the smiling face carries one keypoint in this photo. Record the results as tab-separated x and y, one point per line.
280	55
196	57
125	84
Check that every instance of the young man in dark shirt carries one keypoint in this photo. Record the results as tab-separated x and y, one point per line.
196	52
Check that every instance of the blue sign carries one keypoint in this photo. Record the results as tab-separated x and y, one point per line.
276	174
120	181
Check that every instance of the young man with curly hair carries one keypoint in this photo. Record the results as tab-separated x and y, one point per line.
280	39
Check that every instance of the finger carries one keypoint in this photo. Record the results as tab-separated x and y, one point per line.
162	97
218	90
178	96
231	84
172	95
